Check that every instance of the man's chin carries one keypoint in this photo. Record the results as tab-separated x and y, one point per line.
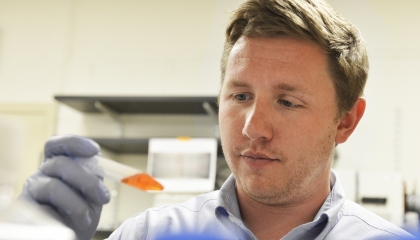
270	194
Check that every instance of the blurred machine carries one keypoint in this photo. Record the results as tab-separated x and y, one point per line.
20	219
185	167
382	193
23	220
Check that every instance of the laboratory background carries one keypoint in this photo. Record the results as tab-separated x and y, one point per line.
57	57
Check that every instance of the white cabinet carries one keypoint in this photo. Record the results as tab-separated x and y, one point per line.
123	126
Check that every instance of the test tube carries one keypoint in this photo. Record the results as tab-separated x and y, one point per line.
131	176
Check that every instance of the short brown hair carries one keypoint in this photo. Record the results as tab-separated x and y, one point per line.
308	19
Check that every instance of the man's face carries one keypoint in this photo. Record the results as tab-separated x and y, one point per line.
278	118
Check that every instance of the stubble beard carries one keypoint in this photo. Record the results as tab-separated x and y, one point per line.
288	191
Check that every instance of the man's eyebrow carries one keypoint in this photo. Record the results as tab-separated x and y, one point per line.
281	86
287	87
238	84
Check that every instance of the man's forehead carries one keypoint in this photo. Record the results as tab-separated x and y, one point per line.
281	63
259	46
280	86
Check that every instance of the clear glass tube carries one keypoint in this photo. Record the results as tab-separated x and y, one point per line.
131	176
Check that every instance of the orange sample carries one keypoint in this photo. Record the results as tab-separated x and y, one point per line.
143	181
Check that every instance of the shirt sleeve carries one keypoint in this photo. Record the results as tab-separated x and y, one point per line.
128	230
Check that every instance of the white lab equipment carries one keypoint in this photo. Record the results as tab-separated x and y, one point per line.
20	219
183	165
383	194
380	192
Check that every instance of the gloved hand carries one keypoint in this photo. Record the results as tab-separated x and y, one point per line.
66	188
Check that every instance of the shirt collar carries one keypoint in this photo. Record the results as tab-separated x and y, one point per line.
327	216
228	199
228	212
332	206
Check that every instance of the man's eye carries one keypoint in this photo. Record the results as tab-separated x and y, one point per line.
241	97
286	103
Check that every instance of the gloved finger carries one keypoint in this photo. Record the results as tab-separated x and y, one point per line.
76	176
71	145
67	202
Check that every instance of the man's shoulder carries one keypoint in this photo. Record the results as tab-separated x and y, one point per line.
357	213
190	211
171	219
358	222
194	205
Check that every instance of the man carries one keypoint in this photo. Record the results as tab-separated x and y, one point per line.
293	73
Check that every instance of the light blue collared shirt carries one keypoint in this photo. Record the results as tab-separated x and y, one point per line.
216	215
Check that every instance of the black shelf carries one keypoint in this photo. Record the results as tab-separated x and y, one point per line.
137	105
140	105
124	145
131	145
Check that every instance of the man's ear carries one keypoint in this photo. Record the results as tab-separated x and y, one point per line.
350	120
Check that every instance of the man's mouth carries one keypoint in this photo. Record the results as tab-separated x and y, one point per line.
257	156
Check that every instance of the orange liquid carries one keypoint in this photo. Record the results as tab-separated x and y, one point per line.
143	181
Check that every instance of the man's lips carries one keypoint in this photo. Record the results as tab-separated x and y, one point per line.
257	156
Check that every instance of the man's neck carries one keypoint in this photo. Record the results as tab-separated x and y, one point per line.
275	221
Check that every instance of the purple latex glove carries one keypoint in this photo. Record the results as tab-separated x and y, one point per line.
67	189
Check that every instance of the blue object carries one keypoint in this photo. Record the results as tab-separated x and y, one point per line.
67	189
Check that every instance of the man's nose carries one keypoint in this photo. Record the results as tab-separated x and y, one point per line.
258	123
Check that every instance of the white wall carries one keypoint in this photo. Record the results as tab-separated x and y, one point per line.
162	47
387	138
130	47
